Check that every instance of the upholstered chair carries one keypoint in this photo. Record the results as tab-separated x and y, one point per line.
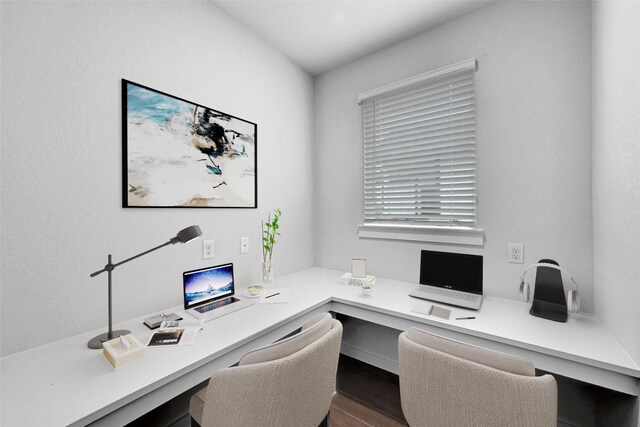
289	383
449	383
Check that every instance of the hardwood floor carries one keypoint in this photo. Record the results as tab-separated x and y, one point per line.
348	412
374	387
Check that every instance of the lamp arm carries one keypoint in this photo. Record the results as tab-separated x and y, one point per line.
110	266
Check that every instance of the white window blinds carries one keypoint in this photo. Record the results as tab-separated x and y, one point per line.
419	149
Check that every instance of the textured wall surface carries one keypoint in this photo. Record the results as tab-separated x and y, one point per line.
616	169
533	142
62	64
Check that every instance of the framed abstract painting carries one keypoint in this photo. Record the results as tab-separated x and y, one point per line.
177	153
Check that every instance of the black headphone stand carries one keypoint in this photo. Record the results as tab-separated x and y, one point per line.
549	301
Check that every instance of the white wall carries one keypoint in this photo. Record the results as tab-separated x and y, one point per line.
533	142
616	169
62	64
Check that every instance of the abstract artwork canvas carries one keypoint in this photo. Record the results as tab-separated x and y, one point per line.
180	154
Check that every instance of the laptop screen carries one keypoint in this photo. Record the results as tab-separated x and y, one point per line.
460	272
207	284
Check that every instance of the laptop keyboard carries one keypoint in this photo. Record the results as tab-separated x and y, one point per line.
214	305
462	296
448	296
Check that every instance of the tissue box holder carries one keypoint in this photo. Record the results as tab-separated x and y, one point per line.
118	356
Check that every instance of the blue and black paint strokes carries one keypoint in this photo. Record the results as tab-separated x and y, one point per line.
149	105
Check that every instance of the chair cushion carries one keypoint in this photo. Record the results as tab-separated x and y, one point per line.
311	330
196	405
494	359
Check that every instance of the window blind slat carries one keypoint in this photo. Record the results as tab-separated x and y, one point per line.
452	118
458	191
459	138
417	168
438	151
432	202
416	118
453	179
435	171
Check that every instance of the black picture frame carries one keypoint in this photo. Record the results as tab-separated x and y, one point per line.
180	154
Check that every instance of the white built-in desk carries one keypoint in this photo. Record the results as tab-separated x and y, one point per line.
65	383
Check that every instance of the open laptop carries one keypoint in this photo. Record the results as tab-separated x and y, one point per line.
209	292
454	279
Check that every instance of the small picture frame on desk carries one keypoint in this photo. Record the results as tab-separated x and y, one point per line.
359	268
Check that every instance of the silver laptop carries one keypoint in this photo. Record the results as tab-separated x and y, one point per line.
210	292
449	278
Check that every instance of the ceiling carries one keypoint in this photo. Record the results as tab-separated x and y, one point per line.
319	35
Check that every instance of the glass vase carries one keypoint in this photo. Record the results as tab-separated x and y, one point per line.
267	273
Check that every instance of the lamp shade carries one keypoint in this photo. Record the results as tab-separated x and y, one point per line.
188	234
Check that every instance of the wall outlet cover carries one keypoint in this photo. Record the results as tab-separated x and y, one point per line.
208	247
516	253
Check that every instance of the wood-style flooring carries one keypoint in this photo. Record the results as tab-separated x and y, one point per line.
371	386
348	412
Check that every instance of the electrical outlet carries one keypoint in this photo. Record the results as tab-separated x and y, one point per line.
244	245
208	247
516	253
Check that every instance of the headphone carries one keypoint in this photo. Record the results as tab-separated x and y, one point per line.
573	296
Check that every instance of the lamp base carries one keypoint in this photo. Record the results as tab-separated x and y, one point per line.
96	342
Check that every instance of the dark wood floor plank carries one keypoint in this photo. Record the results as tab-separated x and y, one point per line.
371	386
348	412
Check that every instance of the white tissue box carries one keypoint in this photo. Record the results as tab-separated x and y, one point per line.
119	356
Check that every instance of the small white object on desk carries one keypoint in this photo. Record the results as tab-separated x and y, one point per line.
275	296
154	322
423	307
359	268
349	279
122	351
443	313
254	291
367	289
125	344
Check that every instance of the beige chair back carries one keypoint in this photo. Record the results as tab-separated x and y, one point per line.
288	391
440	389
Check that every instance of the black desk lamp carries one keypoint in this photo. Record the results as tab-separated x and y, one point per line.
183	236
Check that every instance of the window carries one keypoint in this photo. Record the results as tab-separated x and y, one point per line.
419	150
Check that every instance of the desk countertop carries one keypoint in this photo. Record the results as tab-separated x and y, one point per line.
65	383
583	338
